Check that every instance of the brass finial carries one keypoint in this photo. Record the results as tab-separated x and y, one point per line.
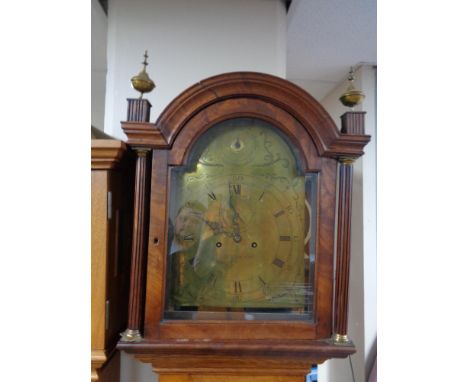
351	97
141	82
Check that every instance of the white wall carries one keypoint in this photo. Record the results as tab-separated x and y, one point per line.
187	41
362	324
132	370
98	63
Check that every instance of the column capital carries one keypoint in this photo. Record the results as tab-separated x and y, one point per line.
142	151
347	160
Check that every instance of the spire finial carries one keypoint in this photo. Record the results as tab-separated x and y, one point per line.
141	82
351	97
145	62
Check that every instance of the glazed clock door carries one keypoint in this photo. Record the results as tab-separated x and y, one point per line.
241	240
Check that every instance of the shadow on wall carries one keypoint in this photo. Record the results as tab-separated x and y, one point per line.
371	363
132	370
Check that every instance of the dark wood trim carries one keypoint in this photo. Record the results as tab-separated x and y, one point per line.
278	348
135	305
343	248
236	358
352	126
352	122
138	110
144	134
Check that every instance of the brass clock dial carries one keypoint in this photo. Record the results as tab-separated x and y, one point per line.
242	223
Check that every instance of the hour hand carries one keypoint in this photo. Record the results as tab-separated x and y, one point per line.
235	220
235	217
215	226
219	229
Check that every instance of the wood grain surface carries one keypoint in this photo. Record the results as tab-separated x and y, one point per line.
189	350
110	210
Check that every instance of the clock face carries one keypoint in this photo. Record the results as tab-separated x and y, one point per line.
242	217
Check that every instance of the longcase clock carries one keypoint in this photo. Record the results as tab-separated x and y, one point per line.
241	233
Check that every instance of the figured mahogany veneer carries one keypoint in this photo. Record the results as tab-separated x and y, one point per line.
241	359
254	348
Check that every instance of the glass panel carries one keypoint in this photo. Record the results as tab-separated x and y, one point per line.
242	228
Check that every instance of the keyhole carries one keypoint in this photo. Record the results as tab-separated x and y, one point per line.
156	241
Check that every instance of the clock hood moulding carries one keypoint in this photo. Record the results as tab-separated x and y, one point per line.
250	85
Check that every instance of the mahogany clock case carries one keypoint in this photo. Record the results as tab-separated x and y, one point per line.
320	148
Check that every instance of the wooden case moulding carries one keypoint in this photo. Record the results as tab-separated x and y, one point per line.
106	153
248	347
266	88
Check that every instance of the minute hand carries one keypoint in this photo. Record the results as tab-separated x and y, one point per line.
217	228
235	220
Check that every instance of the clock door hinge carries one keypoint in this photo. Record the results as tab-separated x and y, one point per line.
107	317
109	205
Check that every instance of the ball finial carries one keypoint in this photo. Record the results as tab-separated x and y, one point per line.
351	97
141	82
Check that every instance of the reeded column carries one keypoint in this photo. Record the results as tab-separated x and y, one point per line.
133	334
352	123
139	111
343	250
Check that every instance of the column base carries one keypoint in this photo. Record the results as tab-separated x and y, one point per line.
340	339
131	335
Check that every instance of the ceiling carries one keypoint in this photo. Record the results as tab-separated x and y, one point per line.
325	38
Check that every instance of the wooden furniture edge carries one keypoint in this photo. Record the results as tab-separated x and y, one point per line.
329	141
106	153
144	134
235	365
99	357
147	134
103	361
236	358
300	348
